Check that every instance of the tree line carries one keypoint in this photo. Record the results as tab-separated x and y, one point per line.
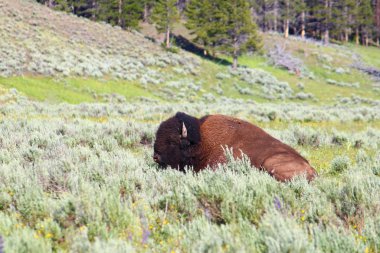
230	26
339	20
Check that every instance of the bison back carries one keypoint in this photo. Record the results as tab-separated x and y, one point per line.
264	151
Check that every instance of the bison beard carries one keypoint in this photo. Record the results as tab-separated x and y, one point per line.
184	140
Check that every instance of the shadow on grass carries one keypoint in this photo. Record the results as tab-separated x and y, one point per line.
189	46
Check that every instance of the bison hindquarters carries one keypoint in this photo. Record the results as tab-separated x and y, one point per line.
285	166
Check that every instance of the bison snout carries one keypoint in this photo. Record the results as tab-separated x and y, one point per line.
156	158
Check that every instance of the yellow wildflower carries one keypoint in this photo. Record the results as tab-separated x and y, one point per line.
49	235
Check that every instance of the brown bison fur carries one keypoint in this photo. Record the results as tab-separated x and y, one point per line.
184	140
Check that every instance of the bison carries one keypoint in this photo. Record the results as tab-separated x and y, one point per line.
184	140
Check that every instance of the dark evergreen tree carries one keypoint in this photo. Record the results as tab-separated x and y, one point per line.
377	22
226	26
300	10
125	13
165	15
266	13
361	23
240	30
287	15
131	13
148	5
322	13
109	11
365	20
343	13
203	19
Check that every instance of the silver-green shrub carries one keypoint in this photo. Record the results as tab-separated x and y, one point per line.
81	178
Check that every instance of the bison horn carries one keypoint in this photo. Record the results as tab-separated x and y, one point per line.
184	131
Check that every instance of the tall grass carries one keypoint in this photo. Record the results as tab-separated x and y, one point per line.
80	178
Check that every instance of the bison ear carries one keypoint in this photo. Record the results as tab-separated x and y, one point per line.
184	131
190	127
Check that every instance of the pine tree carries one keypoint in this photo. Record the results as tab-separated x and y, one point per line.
366	22
267	13
93	9
362	23
288	12
84	8
271	10
300	9
76	7
165	14
377	22
324	18
225	26
238	31
109	11
148	5
62	5
131	13
286	16
48	3
344	11
125	13
203	20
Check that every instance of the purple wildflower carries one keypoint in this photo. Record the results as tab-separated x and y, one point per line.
145	235
1	244
130	236
277	203
146	231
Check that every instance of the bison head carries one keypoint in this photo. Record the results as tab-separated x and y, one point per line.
174	139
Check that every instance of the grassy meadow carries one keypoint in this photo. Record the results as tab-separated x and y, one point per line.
78	115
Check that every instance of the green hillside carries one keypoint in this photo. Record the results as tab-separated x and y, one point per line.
60	48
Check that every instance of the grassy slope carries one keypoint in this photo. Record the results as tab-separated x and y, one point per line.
73	90
310	54
370	55
78	89
44	27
